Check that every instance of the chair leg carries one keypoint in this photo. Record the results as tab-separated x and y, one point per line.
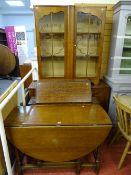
124	154
115	136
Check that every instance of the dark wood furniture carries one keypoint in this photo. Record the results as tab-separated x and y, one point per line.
63	91
24	69
65	126
59	132
101	92
70	41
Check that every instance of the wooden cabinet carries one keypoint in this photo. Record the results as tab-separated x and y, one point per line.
69	41
120	52
125	65
102	93
89	22
119	67
24	69
51	33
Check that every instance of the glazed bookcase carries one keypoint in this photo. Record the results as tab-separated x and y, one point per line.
69	41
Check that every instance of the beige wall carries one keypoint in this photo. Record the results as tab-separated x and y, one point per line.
107	39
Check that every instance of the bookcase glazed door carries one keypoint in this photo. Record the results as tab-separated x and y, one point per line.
125	65
89	25
51	34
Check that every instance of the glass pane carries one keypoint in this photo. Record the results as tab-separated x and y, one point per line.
126	62
52	44
58	57
45	24
58	22
83	21
95	24
87	39
47	67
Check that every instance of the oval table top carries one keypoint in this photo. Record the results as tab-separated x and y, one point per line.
58	132
60	114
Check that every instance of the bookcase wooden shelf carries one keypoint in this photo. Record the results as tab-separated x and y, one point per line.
70	39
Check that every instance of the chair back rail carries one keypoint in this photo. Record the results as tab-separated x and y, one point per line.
124	117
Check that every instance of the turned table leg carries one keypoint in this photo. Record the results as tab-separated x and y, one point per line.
97	160
78	167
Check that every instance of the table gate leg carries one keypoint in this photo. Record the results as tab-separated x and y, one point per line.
18	166
97	160
78	167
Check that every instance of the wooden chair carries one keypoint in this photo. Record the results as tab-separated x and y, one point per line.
124	126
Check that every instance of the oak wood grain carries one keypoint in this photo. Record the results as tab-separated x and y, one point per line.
58	114
63	91
57	132
101	91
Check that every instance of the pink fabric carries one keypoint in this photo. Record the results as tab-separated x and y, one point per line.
11	39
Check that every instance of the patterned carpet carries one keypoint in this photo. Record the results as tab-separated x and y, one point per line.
110	157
